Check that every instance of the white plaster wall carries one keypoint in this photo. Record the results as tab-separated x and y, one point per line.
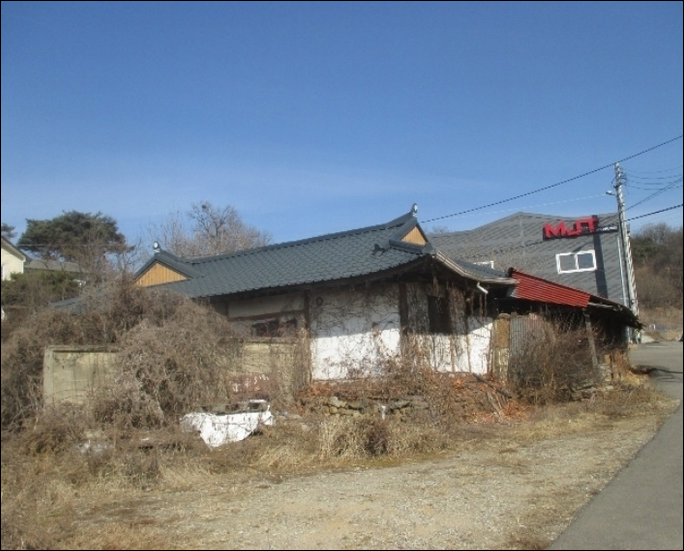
462	353
466	350
472	349
353	331
441	347
11	264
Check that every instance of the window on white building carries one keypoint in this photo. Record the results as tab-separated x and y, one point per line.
274	328
582	261
438	315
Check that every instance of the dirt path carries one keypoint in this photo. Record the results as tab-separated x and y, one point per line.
506	493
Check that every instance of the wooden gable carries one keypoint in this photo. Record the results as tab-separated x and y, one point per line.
415	237
158	274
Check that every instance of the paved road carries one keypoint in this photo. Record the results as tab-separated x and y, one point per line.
641	508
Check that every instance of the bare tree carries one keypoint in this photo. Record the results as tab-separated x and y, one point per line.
207	230
657	250
440	229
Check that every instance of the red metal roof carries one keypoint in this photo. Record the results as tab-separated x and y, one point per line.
541	290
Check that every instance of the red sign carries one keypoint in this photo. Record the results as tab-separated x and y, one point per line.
583	226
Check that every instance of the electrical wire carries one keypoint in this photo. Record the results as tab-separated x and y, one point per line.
656	171
644	180
671	186
551	186
663	190
655	212
525	207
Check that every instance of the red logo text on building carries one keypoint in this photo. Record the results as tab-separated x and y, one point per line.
583	226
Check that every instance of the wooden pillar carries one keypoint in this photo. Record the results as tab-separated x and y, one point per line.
403	318
592	343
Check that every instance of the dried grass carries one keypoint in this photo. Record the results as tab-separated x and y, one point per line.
125	444
48	491
172	356
552	364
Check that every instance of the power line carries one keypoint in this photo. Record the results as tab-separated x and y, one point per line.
662	190
647	180
632	171
610	165
525	207
655	212
510	248
650	188
648	183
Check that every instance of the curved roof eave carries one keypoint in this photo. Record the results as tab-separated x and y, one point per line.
482	277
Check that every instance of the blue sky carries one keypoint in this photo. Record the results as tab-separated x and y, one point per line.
311	118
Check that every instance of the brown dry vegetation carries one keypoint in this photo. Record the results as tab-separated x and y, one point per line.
663	323
166	489
85	476
657	251
166	342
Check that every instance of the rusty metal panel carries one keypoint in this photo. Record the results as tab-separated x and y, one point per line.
540	290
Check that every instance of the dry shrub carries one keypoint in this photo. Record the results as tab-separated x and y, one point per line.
434	400
35	489
339	437
411	439
289	445
628	400
13	537
665	317
167	371
624	373
298	446
449	399
43	495
17	533
364	437
22	364
170	354
353	438
23	350
140	468
553	362
56	429
377	437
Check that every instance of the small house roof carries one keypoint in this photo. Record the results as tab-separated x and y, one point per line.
537	289
53	265
362	252
12	249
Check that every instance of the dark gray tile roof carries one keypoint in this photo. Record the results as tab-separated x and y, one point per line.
480	272
52	266
517	241
330	257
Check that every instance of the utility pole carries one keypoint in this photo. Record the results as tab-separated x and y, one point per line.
625	246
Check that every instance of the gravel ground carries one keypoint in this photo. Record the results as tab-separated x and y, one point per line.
512	492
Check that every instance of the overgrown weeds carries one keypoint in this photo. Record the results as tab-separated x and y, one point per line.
173	355
552	362
169	356
60	468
